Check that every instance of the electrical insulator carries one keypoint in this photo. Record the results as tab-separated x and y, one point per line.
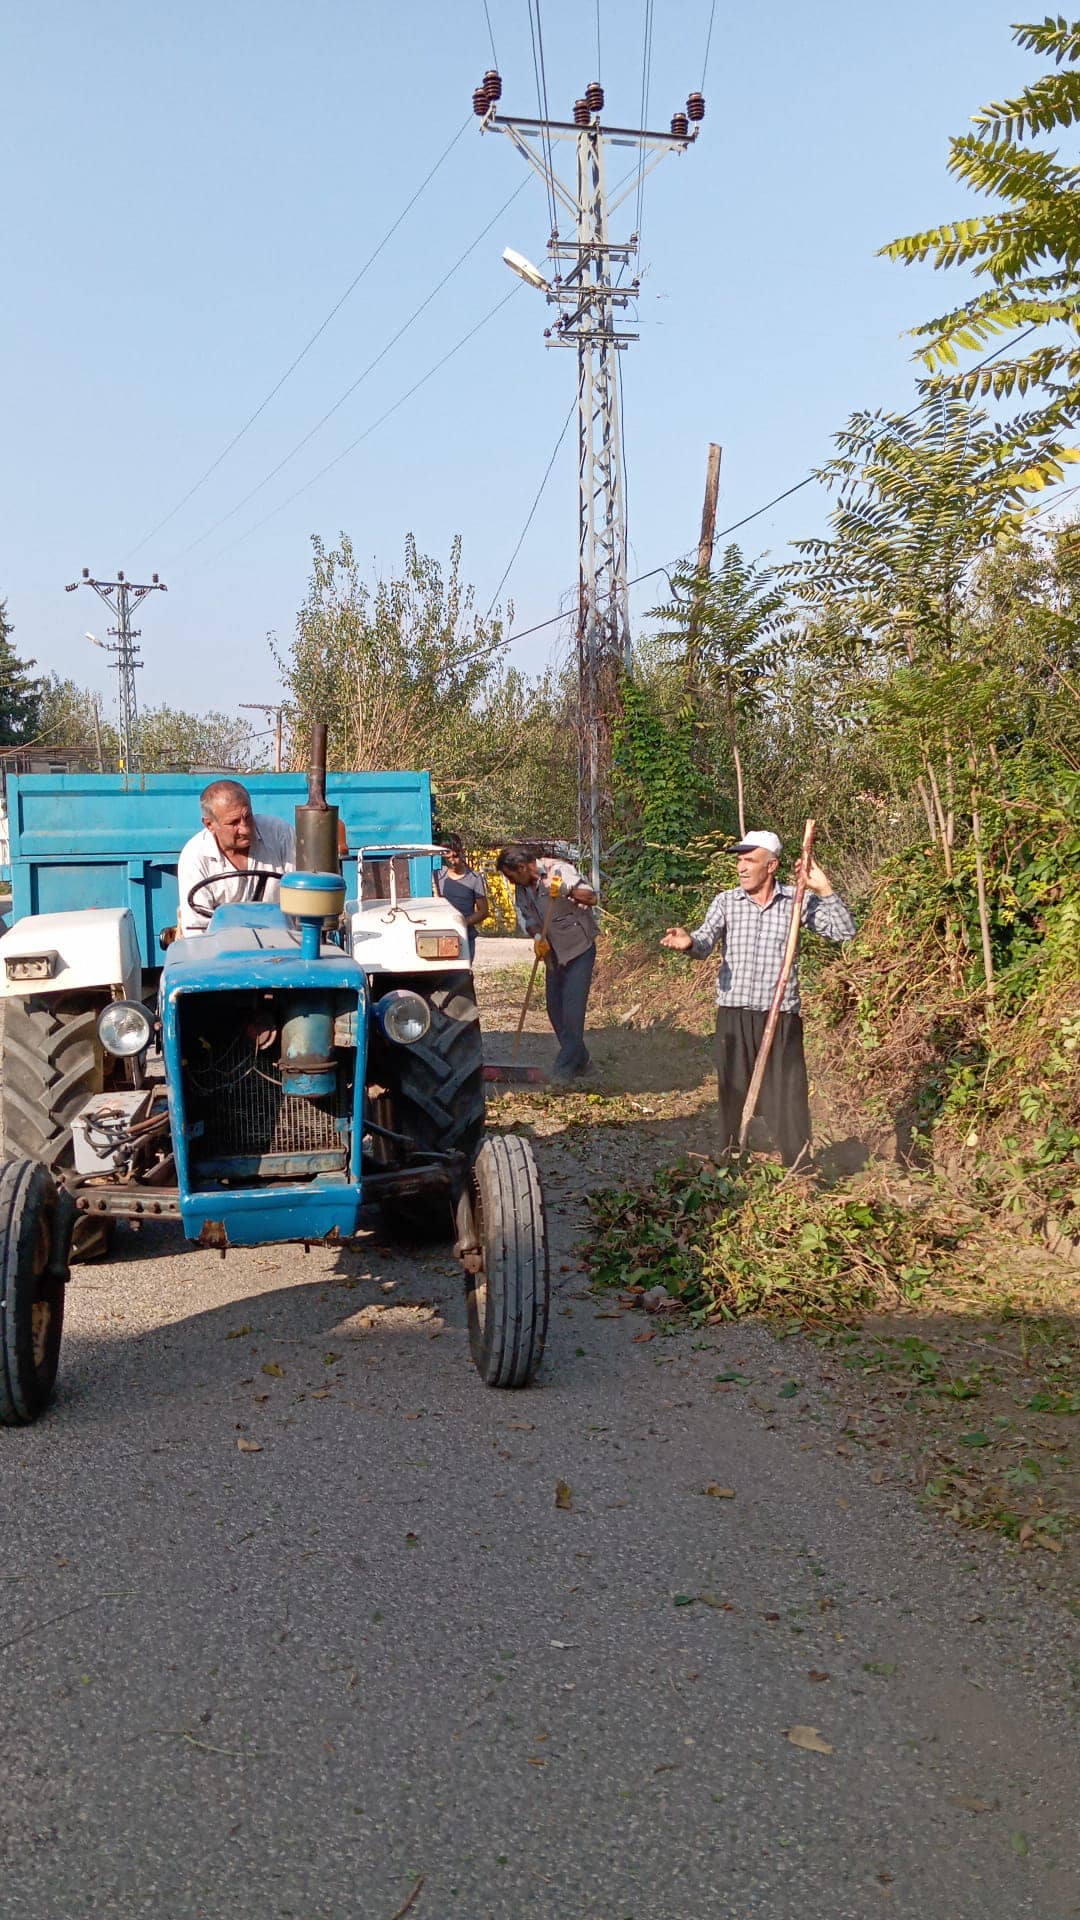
480	101
680	125
86	573
695	106
581	113
594	96
119	575
154	578
493	85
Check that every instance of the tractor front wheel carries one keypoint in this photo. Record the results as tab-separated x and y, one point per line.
33	1272
435	1094
502	1238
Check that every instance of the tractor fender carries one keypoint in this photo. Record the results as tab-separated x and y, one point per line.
93	947
382	938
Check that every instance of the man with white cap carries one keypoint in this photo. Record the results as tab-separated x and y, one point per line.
751	921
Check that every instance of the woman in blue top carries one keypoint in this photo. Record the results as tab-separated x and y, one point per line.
463	887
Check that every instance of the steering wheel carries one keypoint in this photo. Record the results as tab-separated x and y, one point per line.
260	875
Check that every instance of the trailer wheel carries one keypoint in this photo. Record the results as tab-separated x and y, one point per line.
33	1270
508	1294
52	1062
436	1094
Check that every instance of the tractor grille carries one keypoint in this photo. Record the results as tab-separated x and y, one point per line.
245	1112
256	1115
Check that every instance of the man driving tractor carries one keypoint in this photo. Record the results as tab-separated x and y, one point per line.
236	844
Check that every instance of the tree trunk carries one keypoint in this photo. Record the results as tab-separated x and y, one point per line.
980	887
931	823
946	842
739	789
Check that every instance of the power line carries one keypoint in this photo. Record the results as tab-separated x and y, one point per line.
646	77
351	448
360	378
491	36
541	108
798	486
305	350
708	44
535	504
599	70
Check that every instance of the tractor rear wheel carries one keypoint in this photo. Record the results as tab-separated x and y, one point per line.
508	1287
33	1270
436	1092
51	1063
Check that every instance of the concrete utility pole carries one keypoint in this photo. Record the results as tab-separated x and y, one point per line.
120	596
259	706
587	288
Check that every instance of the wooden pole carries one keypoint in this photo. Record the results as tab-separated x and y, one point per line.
705	553
762	1061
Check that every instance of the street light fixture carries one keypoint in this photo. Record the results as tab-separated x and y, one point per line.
525	270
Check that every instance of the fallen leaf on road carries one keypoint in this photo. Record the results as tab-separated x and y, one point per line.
671	1767
249	1446
971	1805
320	1393
640	1338
815	1674
1044	1540
710	1600
237	1333
271	1367
734	1379
562	1646
521	1426
808	1738
683	1599
563	1498
1019	1845
789	1392
885	1667
330	1358
719	1493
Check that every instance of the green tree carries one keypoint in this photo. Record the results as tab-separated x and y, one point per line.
725	626
395	670
20	693
1025	253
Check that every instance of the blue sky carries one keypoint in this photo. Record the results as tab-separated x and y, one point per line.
189	191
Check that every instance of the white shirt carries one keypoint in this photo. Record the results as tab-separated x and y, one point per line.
273	849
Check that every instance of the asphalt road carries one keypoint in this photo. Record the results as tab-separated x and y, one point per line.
296	1682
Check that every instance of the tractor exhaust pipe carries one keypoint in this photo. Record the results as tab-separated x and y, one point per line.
317	823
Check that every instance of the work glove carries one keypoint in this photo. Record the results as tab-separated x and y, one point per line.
541	948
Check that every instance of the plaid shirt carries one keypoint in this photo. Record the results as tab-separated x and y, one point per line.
754	938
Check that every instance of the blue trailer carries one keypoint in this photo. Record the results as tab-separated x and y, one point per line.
309	1055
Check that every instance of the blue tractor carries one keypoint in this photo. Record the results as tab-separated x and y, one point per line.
266	1081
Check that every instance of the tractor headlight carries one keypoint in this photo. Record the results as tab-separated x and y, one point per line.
404	1017
124	1027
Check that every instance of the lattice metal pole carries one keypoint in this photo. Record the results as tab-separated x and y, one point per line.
588	299
120	596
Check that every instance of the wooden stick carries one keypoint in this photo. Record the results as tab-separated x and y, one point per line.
762	1061
532	977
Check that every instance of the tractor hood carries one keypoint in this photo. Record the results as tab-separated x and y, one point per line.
252	946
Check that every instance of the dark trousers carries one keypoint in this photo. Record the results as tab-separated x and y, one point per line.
783	1103
567	986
